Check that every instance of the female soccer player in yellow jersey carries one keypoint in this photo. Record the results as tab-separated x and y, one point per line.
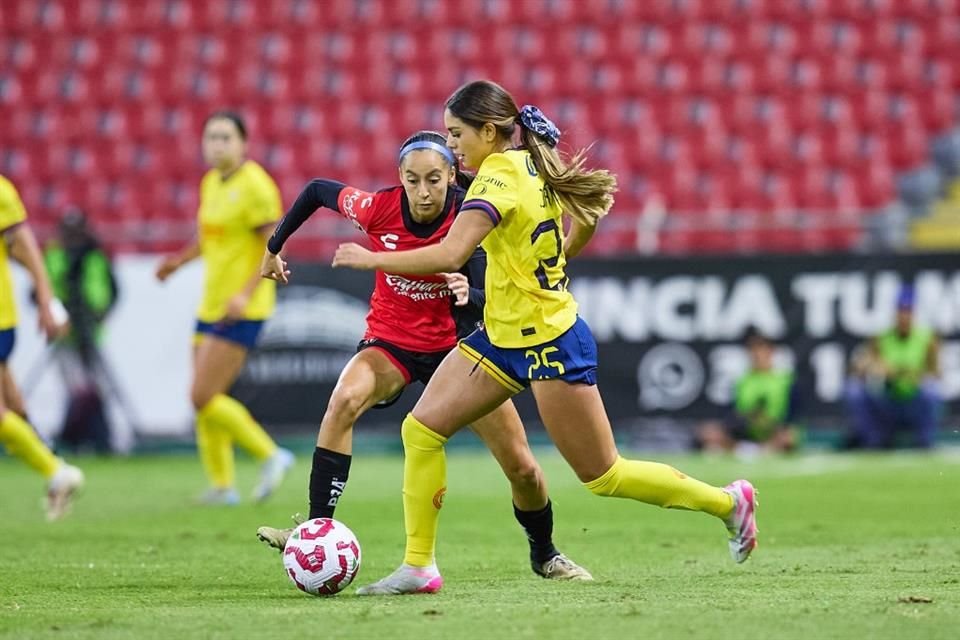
239	205
411	327
19	438
532	335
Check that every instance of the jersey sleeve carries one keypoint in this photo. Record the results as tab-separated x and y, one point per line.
359	207
266	206
12	211
494	189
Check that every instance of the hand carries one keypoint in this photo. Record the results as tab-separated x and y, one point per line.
236	306
354	256
273	267
459	286
53	319
166	267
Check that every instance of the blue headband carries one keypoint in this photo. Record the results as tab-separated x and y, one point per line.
433	146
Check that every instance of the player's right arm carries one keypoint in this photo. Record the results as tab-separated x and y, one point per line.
24	249
320	193
171	263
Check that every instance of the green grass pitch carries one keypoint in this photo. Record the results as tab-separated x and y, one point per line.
850	547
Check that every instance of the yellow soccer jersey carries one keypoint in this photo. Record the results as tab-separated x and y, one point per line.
231	213
527	298
12	213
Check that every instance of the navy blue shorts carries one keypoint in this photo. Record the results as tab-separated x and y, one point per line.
571	357
242	332
7	338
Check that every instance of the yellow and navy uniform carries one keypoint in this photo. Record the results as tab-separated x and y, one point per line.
531	329
16	434
232	211
12	213
527	298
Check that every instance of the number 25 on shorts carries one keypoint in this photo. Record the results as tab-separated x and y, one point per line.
542	363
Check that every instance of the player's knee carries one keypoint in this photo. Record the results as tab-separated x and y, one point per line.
602	482
524	473
346	404
200	397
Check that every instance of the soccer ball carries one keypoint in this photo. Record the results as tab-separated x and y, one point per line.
322	556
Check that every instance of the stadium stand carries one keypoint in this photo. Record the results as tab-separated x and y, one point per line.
779	125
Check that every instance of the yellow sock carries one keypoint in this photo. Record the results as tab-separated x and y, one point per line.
231	416
21	441
216	452
424	485
661	485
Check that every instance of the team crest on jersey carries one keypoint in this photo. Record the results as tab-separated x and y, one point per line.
347	206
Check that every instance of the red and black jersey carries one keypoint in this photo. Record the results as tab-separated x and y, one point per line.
414	312
410	311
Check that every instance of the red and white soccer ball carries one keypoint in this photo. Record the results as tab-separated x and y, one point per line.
322	556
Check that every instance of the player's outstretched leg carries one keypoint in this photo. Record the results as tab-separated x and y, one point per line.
575	418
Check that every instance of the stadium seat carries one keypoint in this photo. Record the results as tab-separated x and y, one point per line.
674	91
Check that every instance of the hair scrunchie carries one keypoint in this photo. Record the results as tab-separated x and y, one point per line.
533	119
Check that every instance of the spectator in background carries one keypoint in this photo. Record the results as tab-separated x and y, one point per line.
82	278
893	386
763	415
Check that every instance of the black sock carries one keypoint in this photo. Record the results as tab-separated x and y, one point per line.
327	480
538	526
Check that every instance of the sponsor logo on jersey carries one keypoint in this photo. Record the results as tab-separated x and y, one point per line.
491	180
417	289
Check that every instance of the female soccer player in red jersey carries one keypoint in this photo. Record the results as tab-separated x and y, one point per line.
412	325
532	336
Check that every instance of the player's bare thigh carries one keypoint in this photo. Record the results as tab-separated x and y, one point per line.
368	378
459	393
217	363
574	416
10	396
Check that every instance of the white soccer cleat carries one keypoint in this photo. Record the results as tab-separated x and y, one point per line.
277	538
742	522
405	580
272	473
560	567
218	497
60	491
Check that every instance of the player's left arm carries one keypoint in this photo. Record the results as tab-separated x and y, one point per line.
578	235
469	229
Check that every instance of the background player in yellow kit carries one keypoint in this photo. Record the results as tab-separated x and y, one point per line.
532	336
239	205
16	434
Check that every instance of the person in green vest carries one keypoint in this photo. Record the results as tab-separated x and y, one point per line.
763	415
894	384
82	278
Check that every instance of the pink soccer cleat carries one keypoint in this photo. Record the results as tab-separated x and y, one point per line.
405	580
742	522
